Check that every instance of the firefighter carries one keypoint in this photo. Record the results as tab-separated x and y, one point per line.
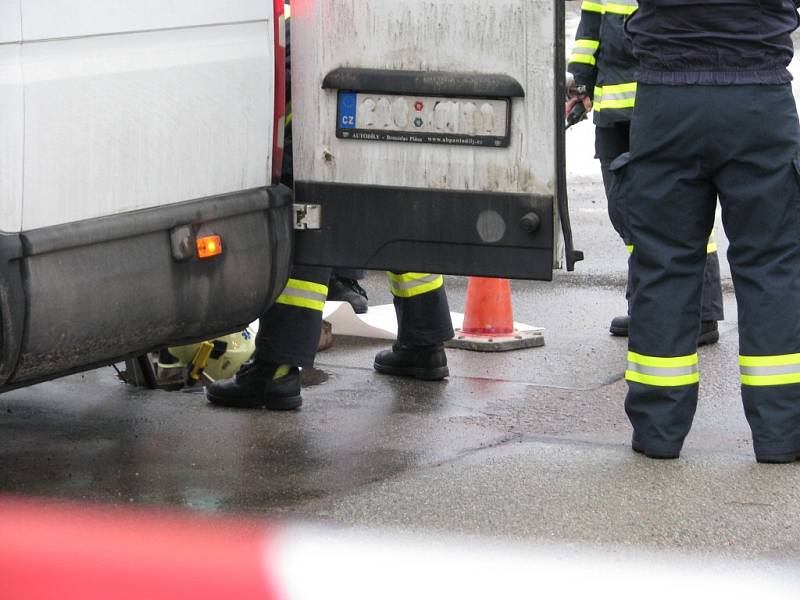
715	117
288	333
603	64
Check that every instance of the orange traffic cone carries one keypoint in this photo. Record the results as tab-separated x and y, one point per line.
489	320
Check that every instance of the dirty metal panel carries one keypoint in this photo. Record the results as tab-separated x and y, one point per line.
509	38
370	74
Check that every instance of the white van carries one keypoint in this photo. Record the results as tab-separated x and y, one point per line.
136	137
129	130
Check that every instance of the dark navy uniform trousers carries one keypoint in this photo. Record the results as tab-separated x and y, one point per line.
689	146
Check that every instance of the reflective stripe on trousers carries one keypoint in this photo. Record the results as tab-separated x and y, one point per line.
663	371
711	246
781	369
305	294
408	285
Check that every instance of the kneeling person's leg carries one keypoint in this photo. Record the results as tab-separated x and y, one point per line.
288	336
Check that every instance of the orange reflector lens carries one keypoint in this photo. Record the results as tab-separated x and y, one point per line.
208	246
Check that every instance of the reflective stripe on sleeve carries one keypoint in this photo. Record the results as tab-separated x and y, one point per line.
589	6
584	51
622	95
409	285
781	369
662	371
623	7
620	7
305	294
629	248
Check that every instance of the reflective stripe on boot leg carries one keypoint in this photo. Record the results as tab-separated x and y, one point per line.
305	294
409	285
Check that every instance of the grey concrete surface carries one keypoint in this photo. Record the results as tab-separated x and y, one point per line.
531	445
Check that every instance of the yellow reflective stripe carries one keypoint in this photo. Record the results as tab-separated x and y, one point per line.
629	248
287	11
304	294
662	371
592	6
620	9
591	44
765	380
282	371
584	50
583	58
621	95
780	369
288	119
406	277
668	362
610	7
662	381
612	104
618	88
300	302
409	285
778	360
712	244
308	286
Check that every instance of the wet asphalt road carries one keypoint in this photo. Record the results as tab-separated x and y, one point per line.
530	445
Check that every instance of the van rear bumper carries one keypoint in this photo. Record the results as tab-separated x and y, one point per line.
83	294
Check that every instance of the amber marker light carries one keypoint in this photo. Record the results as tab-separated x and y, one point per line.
208	246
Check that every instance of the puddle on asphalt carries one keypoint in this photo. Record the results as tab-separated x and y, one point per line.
310	377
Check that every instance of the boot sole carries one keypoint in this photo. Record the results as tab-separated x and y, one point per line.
778	459
436	374
280	404
639	449
618	331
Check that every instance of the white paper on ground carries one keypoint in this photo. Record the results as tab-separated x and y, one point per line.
380	322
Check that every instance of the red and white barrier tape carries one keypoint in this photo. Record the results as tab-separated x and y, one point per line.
69	552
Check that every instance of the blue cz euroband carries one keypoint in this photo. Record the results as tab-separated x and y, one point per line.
347	110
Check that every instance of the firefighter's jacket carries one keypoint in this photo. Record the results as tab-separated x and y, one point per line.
602	59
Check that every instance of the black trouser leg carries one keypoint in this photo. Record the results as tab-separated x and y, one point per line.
759	187
668	204
356	274
423	314
289	331
610	143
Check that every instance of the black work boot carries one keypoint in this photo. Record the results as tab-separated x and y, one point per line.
619	326
709	330
637	447
421	362
259	385
778	459
709	333
341	289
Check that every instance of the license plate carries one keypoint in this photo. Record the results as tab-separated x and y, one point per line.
424	119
